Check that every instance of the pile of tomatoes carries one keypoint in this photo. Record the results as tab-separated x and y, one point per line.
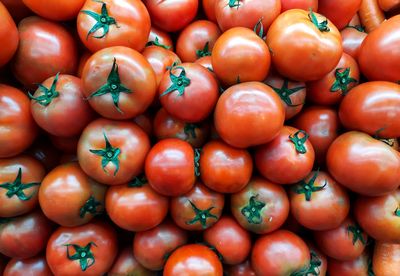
210	138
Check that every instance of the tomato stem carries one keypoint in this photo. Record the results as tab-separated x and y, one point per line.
179	83
204	52
90	207
357	233
342	81
299	141
156	42
322	26
201	215
307	188
260	26
108	154
234	3
83	254
252	211
138	182
190	130
197	154
16	188
48	94
285	92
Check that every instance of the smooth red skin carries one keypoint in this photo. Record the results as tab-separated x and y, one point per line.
337	243
371	15
45	49
372	107
45	153
163	37
25	236
376	216
386	259
352	40
230	239
274	159
243	269
65	190
209	9
182	212
358	266
279	253
135	73
318	92
322	125
127	136
102	234
378	58
169	167
55	10
374	166
275	212
35	266
340	13
327	208
171	15
388	5
8	34
17	9
18	130
31	171
192	260
65	144
225	169
150	247
299	4
199	98
236	52
126	264
82	62
145	122
207	63
254	109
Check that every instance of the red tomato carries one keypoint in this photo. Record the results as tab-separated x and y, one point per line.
371	15
299	4
318	262
352	38
145	122
358	266
126	264
160	38
55	10
82	62
207	63
388	5
243	269
386	260
8	35
35	266
340	13
209	9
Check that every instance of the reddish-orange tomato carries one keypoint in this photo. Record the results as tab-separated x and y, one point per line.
207	63
388	5
126	264
54	9
299	4
8	35
35	266
243	269
371	14
145	122
352	38
209	9
318	261
386	259
160	38
339	12
358	266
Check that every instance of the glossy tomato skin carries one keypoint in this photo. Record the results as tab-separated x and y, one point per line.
209	9
243	269
290	151
373	107
45	49
352	38
25	236
207	63
55	10
234	54
261	207
35	266
254	109
299	50
126	264
98	238
358	266
279	253
128	24
193	259
151	247
299	4
386	259
19	130
163	39
374	165
9	36
18	170
340	13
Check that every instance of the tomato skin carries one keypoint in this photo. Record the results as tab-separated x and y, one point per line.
209	9
299	4
371	15
358	266
207	63
17	9
145	122
386	259
55	10
352	39
193	259
243	269
340	13
388	5
254	109
162	37
35	266
126	264
281	155
9	36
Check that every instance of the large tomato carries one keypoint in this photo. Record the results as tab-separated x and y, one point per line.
339	12
386	259
299	4
126	264
8	34
54	9
358	266
35	266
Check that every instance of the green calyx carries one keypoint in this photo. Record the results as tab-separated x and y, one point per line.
103	20
357	233
90	207
203	52
312	269
397	212
197	154
16	188
48	94
252	211
259	26
307	188
190	130
388	141
357	27
234	3
285	92
137	182
108	154
5	220
201	215
342	81
179	83
299	141
322	26
82	254
113	86
156	42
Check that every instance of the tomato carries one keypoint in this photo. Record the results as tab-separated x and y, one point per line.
243	269
151	248
188	92
304	45
386	260
193	259
82	62
145	122
229	239
172	15
318	202
160	38
209	9
9	36
113	23
198	209
318	262
352	38
24	236
126	264
344	243
119	83
254	109
45	49
207	63
20	178
17	127
236	52
358	266
223	168
289	151
388	5
300	4
340	13
35	266
87	249
371	15
55	10
279	253
65	144
261	207
380	216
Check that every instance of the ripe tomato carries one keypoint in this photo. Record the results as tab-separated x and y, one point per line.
279	253
82	62
55	10
352	38
223	168
229	239
388	5
87	249
126	264
17	127
261	207
20	178
45	49
35	266
304	45
9	36
151	248
386	260
340	13
193	259
371	15
254	109
160	38
119	82
145	122
198	209
299	4
236	52
374	165
318	202
209	9
318	262
207	63
289	151
108	23
358	266
24	236
243	269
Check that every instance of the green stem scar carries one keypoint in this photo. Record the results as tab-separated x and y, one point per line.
397	212
322	26
16	188
82	254
48	94
285	92
137	182
203	52
179	83
252	211
312	269
103	20
299	141
156	42
307	188
201	215
234	3
90	207
197	154
108	154
190	130
260	26
342	80
357	233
